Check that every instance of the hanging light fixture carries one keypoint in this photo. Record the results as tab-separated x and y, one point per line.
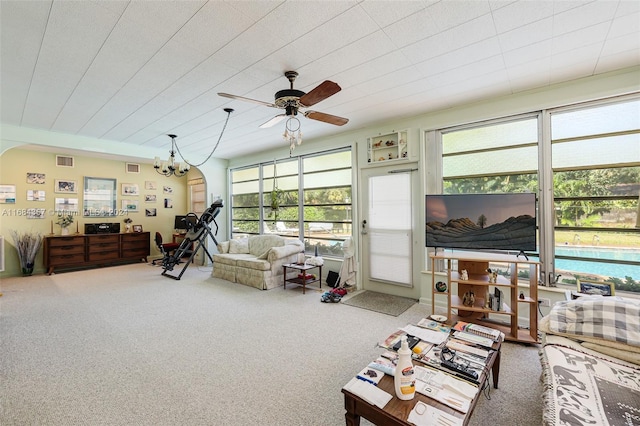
172	167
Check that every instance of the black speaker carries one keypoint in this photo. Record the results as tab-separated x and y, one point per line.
332	279
89	228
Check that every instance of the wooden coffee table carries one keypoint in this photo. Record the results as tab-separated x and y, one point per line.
396	412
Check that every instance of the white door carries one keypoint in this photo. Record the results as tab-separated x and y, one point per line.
387	227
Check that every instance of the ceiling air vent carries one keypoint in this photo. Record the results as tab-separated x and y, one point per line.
133	168
64	161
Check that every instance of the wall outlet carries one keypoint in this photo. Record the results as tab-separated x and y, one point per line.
544	302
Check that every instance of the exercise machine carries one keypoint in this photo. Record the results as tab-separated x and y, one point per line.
198	229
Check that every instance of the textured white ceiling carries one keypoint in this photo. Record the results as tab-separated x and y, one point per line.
133	71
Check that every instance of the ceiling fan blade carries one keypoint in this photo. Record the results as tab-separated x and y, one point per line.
320	93
327	118
242	98
275	120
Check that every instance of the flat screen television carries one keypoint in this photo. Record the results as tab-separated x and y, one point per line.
180	222
481	221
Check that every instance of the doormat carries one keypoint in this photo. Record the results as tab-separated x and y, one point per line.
380	302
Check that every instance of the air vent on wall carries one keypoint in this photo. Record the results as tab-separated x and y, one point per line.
64	161
133	168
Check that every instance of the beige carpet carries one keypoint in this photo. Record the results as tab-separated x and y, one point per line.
380	302
126	346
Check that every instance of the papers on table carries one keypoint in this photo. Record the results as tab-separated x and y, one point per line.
426	335
370	393
473	338
426	415
445	388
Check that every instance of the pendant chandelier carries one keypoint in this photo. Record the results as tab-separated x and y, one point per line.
179	169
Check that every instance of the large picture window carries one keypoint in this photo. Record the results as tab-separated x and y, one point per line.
594	180
306	197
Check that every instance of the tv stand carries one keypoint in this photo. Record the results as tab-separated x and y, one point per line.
521	252
476	264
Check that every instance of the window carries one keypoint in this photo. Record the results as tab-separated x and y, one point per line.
594	150
596	188
308	196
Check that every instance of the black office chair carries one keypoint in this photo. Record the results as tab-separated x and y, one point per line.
165	248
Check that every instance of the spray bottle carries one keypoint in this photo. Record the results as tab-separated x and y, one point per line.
404	379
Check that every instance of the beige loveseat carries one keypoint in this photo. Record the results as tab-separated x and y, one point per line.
256	261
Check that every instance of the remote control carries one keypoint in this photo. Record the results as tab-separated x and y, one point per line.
458	368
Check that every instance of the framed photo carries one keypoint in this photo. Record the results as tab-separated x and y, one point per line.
130	205
137	228
65	186
66	205
35	178
596	288
99	197
150	185
168	203
149	198
167	189
150	212
35	195
130	189
7	194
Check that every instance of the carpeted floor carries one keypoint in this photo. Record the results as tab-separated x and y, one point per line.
380	302
126	346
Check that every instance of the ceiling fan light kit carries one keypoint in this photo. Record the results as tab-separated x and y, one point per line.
292	100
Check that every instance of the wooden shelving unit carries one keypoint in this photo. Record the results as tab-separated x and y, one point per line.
476	265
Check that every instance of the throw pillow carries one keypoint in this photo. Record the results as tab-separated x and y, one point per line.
223	247
239	246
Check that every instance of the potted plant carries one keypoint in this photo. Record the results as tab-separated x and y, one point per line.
27	245
127	224
64	220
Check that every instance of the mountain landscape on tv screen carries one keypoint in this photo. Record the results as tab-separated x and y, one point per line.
515	233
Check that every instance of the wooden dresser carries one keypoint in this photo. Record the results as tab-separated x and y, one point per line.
95	250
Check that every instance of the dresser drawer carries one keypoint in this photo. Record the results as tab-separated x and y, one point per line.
101	239
103	255
66	259
100	247
66	250
65	241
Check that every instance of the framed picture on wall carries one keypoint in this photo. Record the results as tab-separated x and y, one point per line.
150	185
37	178
7	194
66	204
99	197
35	195
168	203
167	189
65	186
149	198
130	189
130	205
36	213
150	212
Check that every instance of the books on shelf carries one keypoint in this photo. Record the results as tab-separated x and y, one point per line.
480	330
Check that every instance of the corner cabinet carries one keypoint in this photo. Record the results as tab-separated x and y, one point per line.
473	299
95	250
391	146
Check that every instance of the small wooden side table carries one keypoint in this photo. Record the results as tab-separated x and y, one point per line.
303	267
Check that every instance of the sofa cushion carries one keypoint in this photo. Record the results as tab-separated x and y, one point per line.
230	258
259	245
223	247
253	263
239	246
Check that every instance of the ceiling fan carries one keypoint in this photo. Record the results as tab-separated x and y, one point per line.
292	100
